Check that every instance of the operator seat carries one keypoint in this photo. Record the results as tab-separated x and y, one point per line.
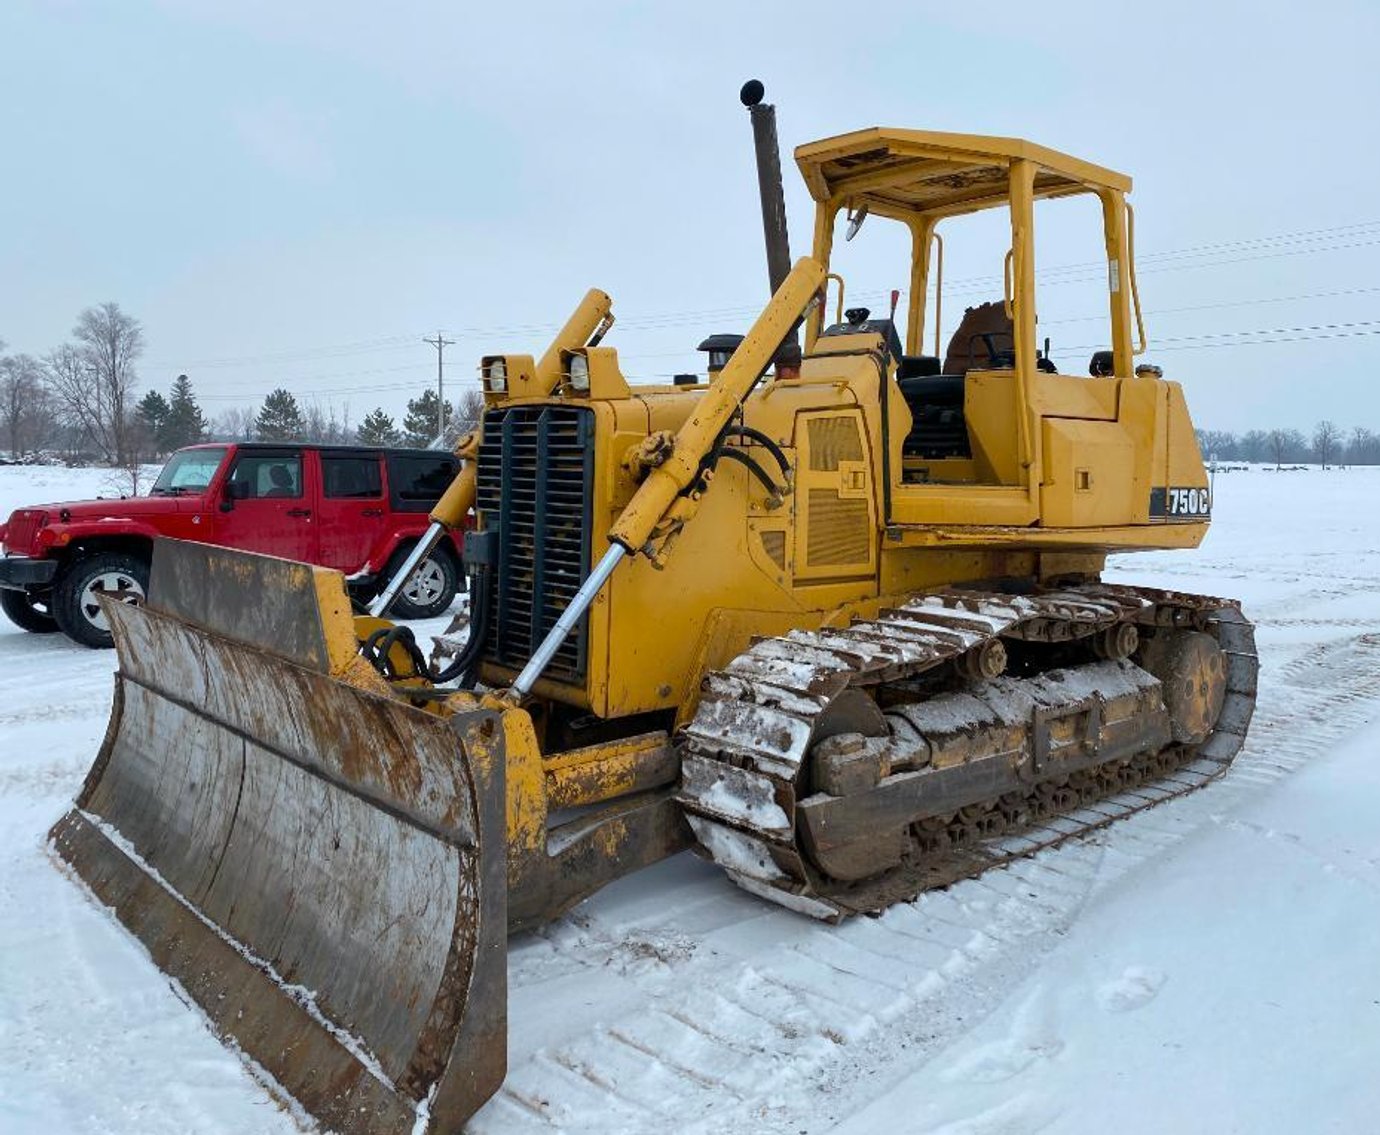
935	395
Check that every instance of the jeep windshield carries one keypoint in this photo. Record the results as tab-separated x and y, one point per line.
188	471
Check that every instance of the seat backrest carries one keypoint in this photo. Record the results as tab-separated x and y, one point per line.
968	348
281	480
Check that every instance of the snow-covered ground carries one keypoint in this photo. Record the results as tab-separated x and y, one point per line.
1207	965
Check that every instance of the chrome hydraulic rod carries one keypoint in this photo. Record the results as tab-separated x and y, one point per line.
430	538
566	623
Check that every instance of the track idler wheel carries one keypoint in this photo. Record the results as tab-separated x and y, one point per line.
1193	671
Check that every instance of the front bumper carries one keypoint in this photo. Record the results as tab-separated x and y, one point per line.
19	573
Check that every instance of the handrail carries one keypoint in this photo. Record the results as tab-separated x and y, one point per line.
838	310
1131	271
938	293
1006	284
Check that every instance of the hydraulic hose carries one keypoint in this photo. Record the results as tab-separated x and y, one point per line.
756	470
464	664
765	442
378	647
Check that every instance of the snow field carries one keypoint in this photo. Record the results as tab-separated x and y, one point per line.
1208	963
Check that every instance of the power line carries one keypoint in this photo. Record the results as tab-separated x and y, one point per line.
1302	242
1102	315
1248	338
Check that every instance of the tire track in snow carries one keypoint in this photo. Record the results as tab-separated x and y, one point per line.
772	1039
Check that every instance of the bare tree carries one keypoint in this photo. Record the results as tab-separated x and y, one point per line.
1217	444
129	479
235	424
1327	439
94	378
469	412
1277	441
69	381
322	425
1286	445
1364	447
1254	445
23	409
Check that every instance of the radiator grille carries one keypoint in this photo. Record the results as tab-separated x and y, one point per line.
22	528
536	464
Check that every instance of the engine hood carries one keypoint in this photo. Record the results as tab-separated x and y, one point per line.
116	508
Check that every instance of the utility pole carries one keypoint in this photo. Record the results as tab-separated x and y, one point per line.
440	343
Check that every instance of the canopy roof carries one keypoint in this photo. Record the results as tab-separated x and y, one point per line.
902	173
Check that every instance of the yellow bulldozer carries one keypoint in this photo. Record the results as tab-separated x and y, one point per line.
832	615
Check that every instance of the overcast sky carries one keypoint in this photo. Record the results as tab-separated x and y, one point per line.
294	193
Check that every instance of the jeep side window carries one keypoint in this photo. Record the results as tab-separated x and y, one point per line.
268	475
417	480
351	477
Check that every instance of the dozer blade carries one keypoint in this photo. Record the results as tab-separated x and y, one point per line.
321	868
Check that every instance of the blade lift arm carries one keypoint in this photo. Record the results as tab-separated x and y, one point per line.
669	496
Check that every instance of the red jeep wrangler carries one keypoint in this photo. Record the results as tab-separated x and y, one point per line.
355	509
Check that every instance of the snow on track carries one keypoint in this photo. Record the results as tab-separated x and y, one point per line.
673	1001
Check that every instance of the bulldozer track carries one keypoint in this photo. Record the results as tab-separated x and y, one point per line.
744	752
950	956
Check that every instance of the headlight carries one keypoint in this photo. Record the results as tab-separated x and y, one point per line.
579	374
496	376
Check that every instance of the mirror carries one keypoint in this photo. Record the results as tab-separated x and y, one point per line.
234	491
855	221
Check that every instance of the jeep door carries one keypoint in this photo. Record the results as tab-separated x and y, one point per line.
266	506
351	510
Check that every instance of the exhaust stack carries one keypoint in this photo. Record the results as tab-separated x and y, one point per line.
763	117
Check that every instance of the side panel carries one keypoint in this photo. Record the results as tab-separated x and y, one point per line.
1183	460
1089	474
835	507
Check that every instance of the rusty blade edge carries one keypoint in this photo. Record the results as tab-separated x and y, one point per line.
305	1056
298	993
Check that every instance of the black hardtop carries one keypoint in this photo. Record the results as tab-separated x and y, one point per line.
324	447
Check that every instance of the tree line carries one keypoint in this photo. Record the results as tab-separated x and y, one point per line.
1328	445
77	403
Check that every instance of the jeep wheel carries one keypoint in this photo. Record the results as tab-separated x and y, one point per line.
430	591
76	605
28	613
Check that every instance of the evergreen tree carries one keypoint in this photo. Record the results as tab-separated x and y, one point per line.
280	419
419	427
184	423
378	429
151	415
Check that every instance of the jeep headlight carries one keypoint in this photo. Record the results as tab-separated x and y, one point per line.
579	374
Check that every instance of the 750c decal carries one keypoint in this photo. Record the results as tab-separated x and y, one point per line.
1180	504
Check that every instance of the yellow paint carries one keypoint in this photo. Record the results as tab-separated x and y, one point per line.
526	785
600	772
1061	472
